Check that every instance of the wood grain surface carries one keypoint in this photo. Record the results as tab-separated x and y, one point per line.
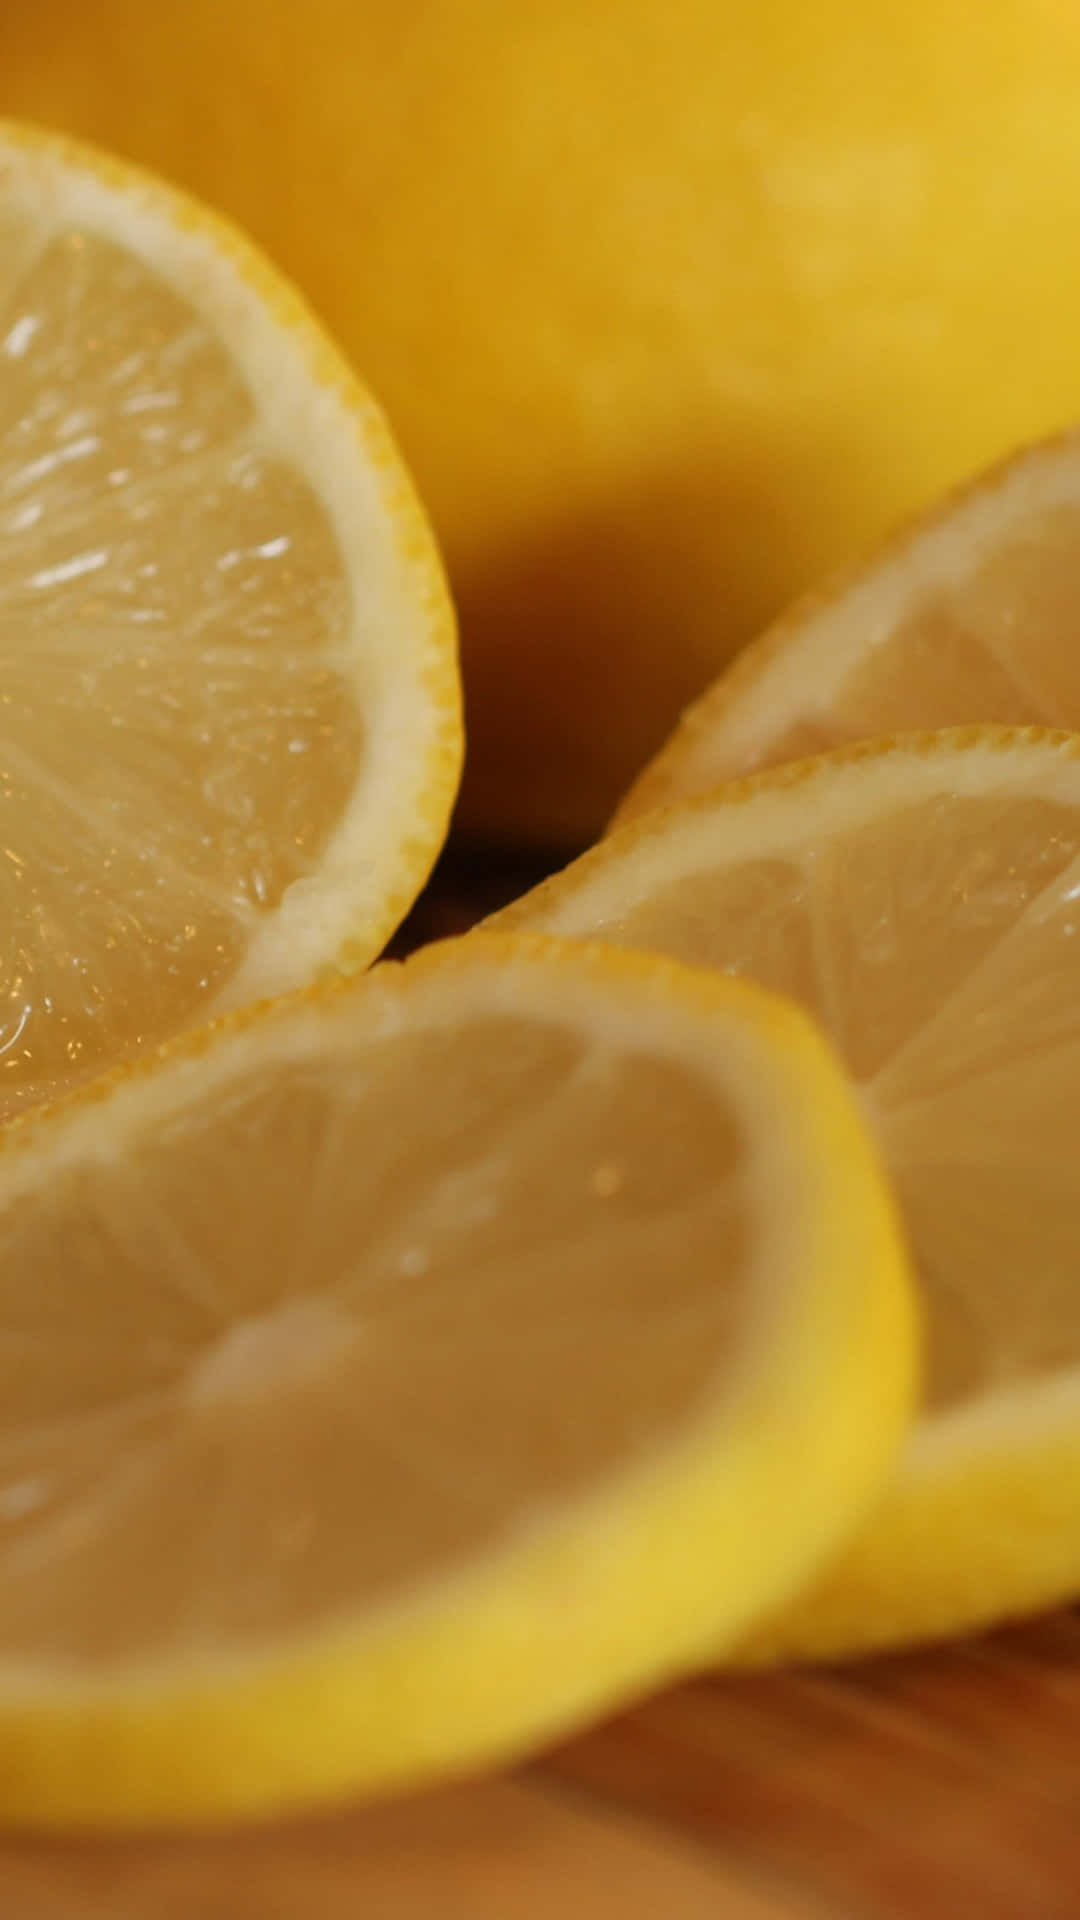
934	1786
940	1783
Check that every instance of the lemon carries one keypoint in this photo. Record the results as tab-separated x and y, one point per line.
398	1373
968	614
673	307
229	710
921	898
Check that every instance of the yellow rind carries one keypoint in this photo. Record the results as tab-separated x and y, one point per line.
1017	1504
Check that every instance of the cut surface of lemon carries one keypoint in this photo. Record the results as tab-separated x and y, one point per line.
922	898
398	1373
229	716
967	615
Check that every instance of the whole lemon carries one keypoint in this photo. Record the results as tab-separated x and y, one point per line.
673	303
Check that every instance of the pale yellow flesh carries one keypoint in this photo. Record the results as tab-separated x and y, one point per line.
969	617
924	902
290	1358
164	776
404	1371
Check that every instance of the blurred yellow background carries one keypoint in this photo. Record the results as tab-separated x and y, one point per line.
673	304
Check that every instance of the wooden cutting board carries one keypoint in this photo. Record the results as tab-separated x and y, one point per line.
938	1786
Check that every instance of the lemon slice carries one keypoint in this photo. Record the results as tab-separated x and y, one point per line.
397	1374
229	714
923	899
967	615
